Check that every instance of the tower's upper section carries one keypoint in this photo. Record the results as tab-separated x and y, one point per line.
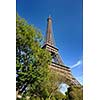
49	32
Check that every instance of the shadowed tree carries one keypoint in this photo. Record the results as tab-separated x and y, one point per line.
75	93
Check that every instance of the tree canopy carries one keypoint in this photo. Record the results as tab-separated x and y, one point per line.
31	60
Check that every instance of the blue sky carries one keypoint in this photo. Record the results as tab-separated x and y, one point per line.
67	18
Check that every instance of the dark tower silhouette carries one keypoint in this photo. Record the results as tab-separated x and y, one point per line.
57	63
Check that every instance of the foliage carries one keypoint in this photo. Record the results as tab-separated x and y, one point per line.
31	60
75	93
59	96
53	84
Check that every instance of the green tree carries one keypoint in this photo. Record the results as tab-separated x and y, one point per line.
75	93
59	96
31	60
50	87
54	84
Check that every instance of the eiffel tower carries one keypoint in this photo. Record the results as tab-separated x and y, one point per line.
57	63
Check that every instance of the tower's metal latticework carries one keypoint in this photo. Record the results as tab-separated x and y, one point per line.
57	63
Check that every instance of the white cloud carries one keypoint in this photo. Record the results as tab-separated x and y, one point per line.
77	64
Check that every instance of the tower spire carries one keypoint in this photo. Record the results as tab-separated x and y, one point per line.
49	32
49	43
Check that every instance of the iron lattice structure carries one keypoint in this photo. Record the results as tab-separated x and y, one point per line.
57	63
